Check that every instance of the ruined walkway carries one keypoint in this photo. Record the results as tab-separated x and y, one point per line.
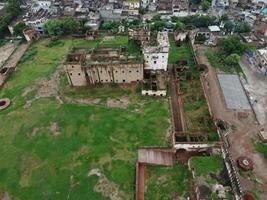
10	65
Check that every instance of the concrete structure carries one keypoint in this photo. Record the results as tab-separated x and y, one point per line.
104	65
180	8
93	21
155	83
205	32
233	91
30	34
144	3
180	36
140	35
156	56
261	59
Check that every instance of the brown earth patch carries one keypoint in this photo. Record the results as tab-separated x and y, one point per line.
118	103
27	166
54	128
107	188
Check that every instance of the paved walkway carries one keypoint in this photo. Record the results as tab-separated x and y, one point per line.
12	62
256	86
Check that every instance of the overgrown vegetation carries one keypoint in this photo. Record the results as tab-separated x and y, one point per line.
55	41
262	148
226	58
11	10
202	166
64	26
195	108
29	54
3	42
163	182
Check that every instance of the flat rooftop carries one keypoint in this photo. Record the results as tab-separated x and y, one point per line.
233	91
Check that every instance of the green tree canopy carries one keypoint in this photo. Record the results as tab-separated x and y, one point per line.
233	45
11	10
156	17
205	5
59	27
18	29
243	27
70	25
224	17
198	21
232	59
229	25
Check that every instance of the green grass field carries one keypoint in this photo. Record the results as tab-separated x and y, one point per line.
205	165
167	182
36	163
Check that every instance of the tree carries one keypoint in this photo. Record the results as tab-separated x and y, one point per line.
229	26
70	25
233	45
143	10
243	27
54	27
158	26
195	1
205	5
178	25
199	21
110	25
232	59
11	10
18	29
156	17
224	17
59	27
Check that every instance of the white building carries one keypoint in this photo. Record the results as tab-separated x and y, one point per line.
131	4
37	5
144	3
261	59
156	57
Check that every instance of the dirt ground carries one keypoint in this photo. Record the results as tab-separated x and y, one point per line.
106	187
241	141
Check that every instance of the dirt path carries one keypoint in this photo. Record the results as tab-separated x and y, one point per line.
10	65
6	51
16	56
241	141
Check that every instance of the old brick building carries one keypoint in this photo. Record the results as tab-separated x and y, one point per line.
103	65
